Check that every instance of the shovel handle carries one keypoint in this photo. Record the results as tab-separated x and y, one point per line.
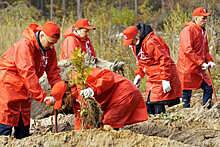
212	84
55	114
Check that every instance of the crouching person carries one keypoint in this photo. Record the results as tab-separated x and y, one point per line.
121	102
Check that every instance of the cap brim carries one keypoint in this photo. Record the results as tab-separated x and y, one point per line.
90	28
127	42
206	14
58	104
39	28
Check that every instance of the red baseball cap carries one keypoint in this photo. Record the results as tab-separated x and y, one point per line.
200	11
129	34
57	92
50	29
83	23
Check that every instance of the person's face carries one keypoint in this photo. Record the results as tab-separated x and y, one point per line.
136	40
47	42
201	21
84	33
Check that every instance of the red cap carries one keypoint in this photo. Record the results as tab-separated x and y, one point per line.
50	29
200	11
83	23
129	34
57	92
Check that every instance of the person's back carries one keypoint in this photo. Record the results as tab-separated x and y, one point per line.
121	102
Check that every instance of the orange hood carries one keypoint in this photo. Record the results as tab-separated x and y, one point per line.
29	33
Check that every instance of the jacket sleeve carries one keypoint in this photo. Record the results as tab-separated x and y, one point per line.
93	51
25	65
52	69
186	42
158	51
207	55
140	70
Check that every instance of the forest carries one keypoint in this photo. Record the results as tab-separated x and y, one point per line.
110	17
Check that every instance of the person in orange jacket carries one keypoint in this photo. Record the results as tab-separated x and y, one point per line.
153	56
121	102
21	66
77	36
194	58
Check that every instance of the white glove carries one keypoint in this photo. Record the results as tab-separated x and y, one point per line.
49	100
137	80
211	64
166	86
87	92
205	66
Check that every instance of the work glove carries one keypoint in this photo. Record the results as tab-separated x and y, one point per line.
49	101
166	86
211	64
137	80
87	92
205	66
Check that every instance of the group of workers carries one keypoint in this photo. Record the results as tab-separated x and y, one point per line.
121	101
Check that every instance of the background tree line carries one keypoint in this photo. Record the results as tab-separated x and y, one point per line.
110	17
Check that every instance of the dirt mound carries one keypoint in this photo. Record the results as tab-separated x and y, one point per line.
196	126
95	137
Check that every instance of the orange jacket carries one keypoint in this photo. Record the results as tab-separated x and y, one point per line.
20	69
72	41
193	52
120	100
154	60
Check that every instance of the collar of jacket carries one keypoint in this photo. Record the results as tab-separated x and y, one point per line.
194	25
38	41
203	29
77	35
148	36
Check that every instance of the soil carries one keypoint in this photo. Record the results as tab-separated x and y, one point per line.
196	126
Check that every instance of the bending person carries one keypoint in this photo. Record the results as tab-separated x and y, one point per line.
20	69
120	101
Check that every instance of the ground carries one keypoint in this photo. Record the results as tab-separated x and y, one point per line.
196	126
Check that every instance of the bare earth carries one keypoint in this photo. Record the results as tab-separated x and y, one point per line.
199	127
